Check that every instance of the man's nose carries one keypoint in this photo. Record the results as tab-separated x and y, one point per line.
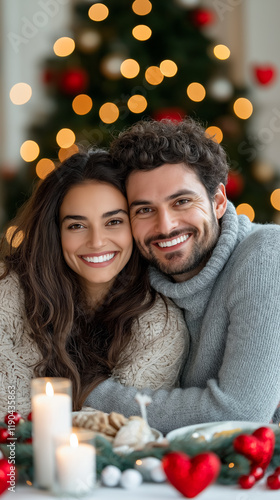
165	222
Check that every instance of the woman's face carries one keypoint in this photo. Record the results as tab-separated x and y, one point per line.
96	237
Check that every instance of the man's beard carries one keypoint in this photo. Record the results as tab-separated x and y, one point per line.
201	251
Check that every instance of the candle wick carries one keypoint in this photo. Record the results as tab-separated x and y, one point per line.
143	400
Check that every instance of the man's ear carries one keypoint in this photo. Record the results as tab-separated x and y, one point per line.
220	201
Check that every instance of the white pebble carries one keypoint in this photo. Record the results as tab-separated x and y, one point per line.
151	469
111	476
150	463
158	474
130	479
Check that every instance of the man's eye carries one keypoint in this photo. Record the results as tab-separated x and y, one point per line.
182	202
114	222
144	210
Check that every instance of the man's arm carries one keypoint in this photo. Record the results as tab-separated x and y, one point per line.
247	386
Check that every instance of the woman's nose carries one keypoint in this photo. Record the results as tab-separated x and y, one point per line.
96	238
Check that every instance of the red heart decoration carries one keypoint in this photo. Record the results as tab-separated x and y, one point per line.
264	74
191	475
257	447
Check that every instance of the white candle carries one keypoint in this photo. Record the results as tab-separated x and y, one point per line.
51	415
75	467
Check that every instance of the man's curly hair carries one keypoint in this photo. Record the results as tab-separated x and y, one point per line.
150	144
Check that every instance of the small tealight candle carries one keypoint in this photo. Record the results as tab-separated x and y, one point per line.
51	415
75	464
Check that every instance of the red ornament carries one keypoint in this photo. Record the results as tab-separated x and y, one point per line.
235	185
264	74
273	481
28	440
174	114
247	482
188	475
73	81
4	434
8	172
29	417
257	447
13	418
257	472
48	77
202	17
5	471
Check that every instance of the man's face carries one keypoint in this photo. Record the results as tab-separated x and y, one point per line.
174	223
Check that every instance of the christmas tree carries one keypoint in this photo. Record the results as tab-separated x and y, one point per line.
131	60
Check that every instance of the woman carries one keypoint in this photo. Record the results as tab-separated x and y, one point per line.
75	299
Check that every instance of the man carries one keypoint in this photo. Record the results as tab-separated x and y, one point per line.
220	268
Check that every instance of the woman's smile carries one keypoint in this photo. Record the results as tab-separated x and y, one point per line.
99	259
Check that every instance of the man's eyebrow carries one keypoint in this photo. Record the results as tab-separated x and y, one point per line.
182	192
136	203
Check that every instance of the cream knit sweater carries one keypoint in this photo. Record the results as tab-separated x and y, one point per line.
158	345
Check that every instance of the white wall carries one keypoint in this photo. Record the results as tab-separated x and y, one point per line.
28	31
262	47
250	28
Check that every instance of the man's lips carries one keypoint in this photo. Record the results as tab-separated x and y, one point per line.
172	243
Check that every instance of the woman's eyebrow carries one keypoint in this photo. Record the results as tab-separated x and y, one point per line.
73	217
114	212
106	214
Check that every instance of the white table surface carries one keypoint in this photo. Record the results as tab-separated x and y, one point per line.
152	491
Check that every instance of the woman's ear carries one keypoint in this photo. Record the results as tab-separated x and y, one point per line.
220	201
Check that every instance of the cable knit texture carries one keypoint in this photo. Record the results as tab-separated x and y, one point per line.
157	347
232	310
155	352
18	352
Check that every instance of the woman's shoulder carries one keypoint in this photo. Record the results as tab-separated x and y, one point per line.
164	311
14	326
11	298
9	284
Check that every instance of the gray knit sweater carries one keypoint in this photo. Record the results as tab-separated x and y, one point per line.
232	310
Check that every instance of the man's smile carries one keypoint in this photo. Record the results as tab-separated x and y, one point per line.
173	243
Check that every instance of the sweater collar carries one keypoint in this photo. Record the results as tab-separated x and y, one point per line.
233	229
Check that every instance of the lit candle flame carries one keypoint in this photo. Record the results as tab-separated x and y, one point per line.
49	390
74	441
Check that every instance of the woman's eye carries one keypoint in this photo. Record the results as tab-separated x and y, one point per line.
76	226
114	222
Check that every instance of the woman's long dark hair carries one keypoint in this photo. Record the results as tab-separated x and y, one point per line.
76	343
